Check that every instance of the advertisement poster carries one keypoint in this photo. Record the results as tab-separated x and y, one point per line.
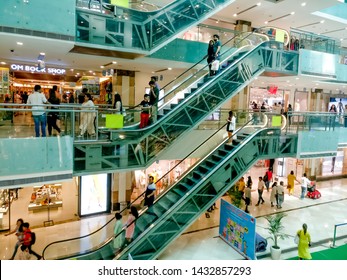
237	228
94	194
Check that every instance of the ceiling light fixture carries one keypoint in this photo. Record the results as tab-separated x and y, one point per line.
20	43
306	25
303	4
245	10
287	15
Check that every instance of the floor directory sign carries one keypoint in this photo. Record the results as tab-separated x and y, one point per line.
237	228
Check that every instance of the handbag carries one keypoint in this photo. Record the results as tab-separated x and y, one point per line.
215	65
296	239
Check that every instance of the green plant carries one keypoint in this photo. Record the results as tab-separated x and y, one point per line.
275	227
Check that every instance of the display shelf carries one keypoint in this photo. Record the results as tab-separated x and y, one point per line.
46	197
37	207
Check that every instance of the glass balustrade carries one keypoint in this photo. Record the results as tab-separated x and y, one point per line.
107	24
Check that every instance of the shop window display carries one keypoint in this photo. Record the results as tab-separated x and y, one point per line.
46	196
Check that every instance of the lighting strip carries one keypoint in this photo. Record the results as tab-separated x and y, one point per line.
332	31
279	18
318	22
239	13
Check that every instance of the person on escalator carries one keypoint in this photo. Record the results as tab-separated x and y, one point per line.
118	238
150	192
210	56
217	49
130	224
145	113
231	124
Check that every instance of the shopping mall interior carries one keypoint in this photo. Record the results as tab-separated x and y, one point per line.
70	184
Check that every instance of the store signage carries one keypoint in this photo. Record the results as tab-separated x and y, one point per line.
35	69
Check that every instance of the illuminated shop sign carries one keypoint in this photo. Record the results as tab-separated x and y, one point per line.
35	69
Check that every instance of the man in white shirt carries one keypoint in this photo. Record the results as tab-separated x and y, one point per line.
261	186
304	183
39	115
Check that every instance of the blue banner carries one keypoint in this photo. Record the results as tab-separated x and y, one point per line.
237	228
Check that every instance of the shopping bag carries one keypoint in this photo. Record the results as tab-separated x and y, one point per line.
114	121
215	65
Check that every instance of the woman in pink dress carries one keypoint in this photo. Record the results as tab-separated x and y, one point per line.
130	224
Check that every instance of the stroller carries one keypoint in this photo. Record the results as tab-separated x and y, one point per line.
312	191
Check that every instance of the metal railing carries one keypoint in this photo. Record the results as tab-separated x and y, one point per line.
335	229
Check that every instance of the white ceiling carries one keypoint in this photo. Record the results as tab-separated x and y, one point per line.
58	52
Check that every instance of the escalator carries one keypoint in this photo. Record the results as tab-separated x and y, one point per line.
130	33
176	209
185	107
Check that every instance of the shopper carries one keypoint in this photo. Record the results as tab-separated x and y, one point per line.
20	235
87	119
304	184
249	182
27	241
231	125
37	99
145	111
130	224
241	186
268	178
273	195
150	192
248	198
291	178
53	117
280	194
118	237
118	103
261	186
154	97
210	56
82	95
217	49
304	243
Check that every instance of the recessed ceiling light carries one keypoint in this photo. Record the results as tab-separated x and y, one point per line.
297	78
42	53
258	4
102	66
292	13
114	62
20	43
303	4
235	15
266	22
169	68
322	21
3	62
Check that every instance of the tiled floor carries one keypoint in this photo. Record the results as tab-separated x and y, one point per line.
201	241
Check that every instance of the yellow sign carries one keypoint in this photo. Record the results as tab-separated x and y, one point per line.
276	120
114	121
279	35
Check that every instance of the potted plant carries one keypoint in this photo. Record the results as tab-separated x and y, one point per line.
275	228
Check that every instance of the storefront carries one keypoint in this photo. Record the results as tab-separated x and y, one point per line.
47	204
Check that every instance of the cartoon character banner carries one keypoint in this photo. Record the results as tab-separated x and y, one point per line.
237	228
